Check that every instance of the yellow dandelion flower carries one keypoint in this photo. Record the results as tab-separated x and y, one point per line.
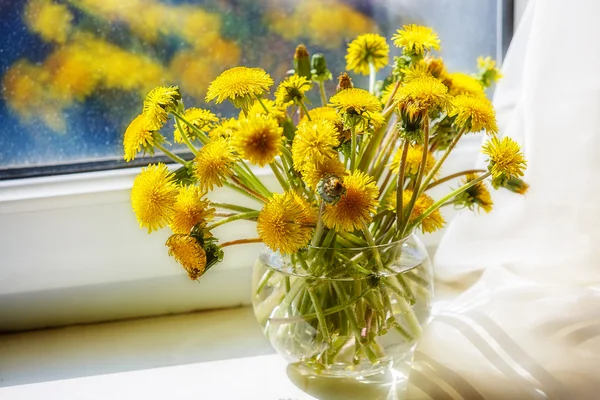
321	113
190	209
357	106
428	66
240	85
188	252
201	119
213	164
460	83
138	136
258	140
272	110
153	196
413	161
313	141
291	90
286	222
416	39
158	103
431	223
356	207
420	96
488	72
365	49
314	171
506	159
473	114
225	129
476	196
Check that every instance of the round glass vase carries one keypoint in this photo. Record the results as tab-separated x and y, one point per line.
344	312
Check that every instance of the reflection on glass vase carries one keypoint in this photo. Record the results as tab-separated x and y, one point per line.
344	312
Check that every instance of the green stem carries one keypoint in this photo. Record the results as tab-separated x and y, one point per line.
185	137
201	135
243	186
372	77
373	245
322	92
439	163
353	144
320	226
172	156
262	104
241	241
247	215
320	316
304	109
231	207
417	188
456	175
400	186
280	178
444	199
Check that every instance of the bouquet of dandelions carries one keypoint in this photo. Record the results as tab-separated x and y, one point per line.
354	173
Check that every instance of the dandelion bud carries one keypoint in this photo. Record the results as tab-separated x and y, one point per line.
331	189
319	69
302	62
515	185
344	82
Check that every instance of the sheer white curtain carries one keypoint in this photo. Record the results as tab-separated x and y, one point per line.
530	325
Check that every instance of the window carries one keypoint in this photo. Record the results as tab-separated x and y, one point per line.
73	74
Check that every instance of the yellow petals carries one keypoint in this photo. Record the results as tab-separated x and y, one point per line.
153	196
416	39
460	83
357	106
431	223
272	110
414	156
138	136
258	140
473	114
286	222
292	90
505	158
356	207
476	196
188	252
225	129
365	49
313	172
213	163
199	118
190	209
158	103
240	85
314	141
420	96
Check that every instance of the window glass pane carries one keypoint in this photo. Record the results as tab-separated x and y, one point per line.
73	72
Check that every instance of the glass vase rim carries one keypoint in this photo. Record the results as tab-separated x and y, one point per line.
363	248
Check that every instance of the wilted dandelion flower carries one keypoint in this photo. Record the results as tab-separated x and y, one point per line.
476	196
188	252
